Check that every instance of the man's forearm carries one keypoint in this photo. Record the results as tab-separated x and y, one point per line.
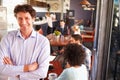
27	68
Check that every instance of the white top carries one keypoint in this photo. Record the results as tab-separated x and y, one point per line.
73	73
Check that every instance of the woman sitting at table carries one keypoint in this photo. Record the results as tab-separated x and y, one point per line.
75	69
76	29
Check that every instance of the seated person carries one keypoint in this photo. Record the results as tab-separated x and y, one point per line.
64	31
76	29
76	38
62	28
75	69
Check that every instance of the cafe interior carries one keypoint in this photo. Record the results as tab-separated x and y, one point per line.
98	24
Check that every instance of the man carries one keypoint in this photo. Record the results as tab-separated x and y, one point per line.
62	28
24	53
76	29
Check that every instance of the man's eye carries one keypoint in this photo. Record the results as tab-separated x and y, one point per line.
27	18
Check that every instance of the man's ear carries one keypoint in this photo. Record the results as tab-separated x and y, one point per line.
78	42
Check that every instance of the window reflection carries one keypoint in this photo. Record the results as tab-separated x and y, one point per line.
115	45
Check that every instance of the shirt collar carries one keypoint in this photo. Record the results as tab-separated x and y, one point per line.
32	35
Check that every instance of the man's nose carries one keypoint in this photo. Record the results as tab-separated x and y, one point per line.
23	21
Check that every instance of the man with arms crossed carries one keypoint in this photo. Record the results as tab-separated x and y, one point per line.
24	53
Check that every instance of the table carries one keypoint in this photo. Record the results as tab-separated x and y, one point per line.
87	38
58	41
54	41
86	31
87	35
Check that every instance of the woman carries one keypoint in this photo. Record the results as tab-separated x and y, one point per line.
76	29
75	69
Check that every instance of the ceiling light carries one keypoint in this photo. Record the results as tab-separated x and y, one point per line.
85	2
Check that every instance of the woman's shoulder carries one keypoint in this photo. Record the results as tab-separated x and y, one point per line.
72	69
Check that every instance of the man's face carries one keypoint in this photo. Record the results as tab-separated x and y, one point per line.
24	20
62	24
72	40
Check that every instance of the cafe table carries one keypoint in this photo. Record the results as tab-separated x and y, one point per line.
58	41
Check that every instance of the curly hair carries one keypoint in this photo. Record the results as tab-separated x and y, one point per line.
25	8
74	54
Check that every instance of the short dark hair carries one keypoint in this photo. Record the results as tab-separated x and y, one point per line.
74	54
77	37
25	8
62	21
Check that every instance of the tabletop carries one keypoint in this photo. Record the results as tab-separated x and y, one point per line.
58	40
64	40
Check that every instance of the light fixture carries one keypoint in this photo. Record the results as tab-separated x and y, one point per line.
85	2
86	5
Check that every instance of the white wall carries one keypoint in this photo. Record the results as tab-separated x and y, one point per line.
11	20
10	4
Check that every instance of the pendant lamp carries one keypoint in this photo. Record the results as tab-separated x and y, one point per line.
85	2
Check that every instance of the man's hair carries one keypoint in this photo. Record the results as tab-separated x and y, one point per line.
25	8
74	54
77	37
62	21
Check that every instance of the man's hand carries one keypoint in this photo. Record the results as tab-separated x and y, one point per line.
7	60
31	67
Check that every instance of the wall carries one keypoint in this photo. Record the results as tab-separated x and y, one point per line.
79	12
11	20
74	5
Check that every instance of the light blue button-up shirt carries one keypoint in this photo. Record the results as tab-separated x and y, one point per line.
22	51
